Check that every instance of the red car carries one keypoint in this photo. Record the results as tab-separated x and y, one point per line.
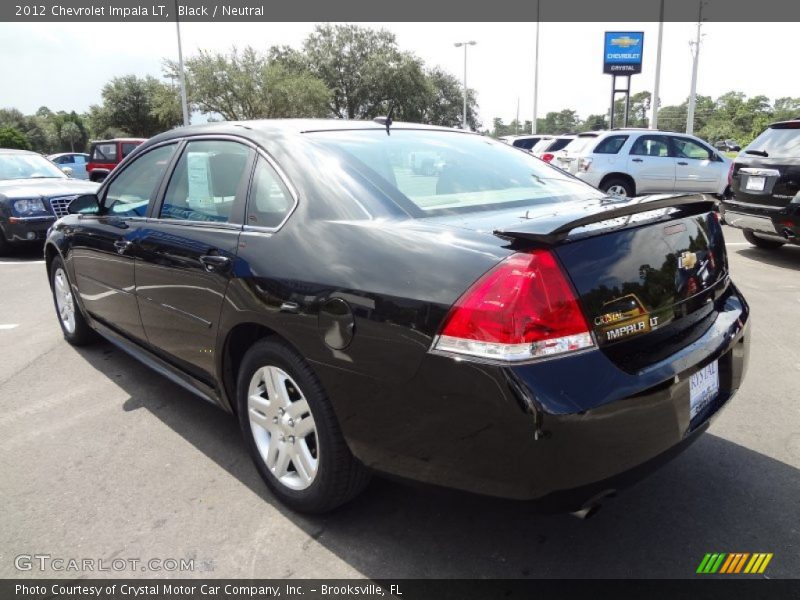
107	154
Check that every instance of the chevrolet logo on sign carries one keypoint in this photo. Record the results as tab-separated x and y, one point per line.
624	42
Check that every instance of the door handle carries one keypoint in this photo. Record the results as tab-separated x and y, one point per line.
215	262
122	246
682	163
637	160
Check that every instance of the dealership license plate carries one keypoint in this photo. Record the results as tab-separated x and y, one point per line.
703	388
755	184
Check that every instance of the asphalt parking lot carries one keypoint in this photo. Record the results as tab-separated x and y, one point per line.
101	458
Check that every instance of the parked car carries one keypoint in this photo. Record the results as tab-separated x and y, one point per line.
358	318
526	142
72	163
629	162
570	153
766	188
727	145
104	155
33	193
547	148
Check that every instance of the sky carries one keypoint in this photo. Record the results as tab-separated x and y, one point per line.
64	65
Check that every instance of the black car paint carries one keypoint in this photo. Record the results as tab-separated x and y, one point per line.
15	228
320	283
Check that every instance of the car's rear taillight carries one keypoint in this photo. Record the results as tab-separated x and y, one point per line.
522	309
584	163
547	157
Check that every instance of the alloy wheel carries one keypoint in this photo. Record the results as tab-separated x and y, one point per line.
64	300
283	427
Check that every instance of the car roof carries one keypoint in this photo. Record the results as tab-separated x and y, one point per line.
122	139
16	151
64	154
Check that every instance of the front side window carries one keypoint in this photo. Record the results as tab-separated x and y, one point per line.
428	173
650	145
105	153
207	181
130	192
611	145
686	148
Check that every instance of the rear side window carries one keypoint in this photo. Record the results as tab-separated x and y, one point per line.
778	142
270	202
206	182
650	145
527	144
559	144
611	145
428	173
131	191
127	148
104	153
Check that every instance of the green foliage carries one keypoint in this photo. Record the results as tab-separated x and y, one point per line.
13	138
141	106
46	131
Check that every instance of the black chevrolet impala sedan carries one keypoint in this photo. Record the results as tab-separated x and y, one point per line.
487	323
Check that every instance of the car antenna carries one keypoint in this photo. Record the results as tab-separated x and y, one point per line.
387	120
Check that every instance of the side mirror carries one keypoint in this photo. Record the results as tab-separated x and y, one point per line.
88	204
67	171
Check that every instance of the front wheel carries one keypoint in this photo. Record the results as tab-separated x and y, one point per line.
73	324
760	242
292	433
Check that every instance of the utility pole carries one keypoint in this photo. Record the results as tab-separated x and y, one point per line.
464	124
516	120
696	54
654	117
184	103
536	73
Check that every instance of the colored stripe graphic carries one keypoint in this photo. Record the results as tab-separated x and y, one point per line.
724	563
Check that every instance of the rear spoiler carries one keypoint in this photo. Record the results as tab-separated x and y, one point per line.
535	231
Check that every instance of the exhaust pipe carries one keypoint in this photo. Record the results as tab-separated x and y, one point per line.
593	505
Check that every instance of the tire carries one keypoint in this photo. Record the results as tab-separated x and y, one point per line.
761	242
73	324
306	464
619	185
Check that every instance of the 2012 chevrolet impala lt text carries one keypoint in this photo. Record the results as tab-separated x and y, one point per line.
411	300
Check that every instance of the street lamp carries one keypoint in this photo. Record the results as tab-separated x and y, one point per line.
464	114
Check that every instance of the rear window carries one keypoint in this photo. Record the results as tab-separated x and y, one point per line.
611	144
580	143
559	144
781	142
439	172
526	143
104	153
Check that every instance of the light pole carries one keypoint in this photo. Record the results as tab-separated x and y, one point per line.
696	55
464	114
536	74
654	118
184	104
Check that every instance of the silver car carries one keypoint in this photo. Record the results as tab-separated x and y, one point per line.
629	162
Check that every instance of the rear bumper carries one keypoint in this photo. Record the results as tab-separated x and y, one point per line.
553	431
780	224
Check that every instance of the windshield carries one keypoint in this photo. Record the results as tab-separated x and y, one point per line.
439	172
28	166
778	142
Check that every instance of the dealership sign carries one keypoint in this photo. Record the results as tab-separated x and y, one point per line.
622	52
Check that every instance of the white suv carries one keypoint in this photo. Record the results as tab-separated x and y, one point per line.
643	161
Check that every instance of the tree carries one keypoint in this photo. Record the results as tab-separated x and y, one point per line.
70	132
594	123
444	104
637	113
13	138
564	121
140	106
247	85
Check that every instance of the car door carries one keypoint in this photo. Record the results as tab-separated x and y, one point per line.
104	246
696	167
651	165
187	249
